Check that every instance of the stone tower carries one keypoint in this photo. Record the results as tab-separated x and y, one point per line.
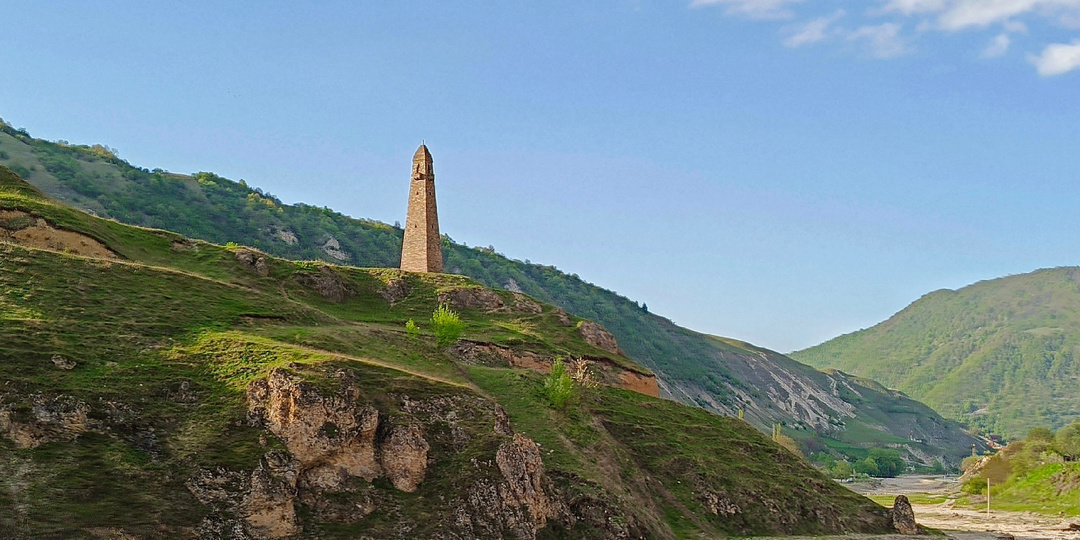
422	249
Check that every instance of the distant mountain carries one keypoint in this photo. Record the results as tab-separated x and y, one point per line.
1002	354
720	375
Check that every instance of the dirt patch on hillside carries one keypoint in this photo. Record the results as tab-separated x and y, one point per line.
26	230
640	383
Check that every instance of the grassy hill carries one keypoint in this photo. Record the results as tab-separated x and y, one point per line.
720	375
155	386
1036	474
998	354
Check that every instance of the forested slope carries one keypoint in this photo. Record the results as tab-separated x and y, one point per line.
1001	354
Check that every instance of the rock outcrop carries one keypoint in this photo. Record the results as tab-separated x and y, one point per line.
598	337
395	290
471	298
903	517
403	457
333	248
327	283
334	438
524	304
520	463
44	419
260	504
252	260
270	505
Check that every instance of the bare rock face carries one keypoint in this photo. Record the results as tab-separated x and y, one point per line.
471	298
330	437
403	457
518	505
903	517
564	317
333	248
259	504
598	337
489	354
334	438
327	283
270	506
502	421
288	237
253	260
395	290
520	464
525	304
61	418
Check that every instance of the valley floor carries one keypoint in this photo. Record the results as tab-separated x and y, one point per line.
964	523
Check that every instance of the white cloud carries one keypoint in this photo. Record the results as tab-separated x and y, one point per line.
812	31
962	14
910	7
998	46
1015	27
881	27
884	39
1057	59
754	9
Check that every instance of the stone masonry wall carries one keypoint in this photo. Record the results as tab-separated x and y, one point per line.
421	250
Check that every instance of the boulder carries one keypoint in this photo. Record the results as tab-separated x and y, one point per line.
903	517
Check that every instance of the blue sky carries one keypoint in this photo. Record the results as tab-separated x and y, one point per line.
778	171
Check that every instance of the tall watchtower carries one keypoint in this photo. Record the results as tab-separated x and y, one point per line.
421	250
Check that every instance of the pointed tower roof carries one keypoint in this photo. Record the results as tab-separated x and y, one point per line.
422	153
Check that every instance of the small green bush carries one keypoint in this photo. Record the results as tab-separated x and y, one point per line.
446	325
1067	441
411	329
559	385
975	486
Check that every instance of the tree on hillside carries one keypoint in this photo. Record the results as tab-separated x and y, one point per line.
889	463
1067	441
867	466
1040	434
996	469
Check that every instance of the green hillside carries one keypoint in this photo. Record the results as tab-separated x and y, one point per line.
720	375
1036	474
998	354
155	386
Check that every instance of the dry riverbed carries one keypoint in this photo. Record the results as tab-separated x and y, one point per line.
965	523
